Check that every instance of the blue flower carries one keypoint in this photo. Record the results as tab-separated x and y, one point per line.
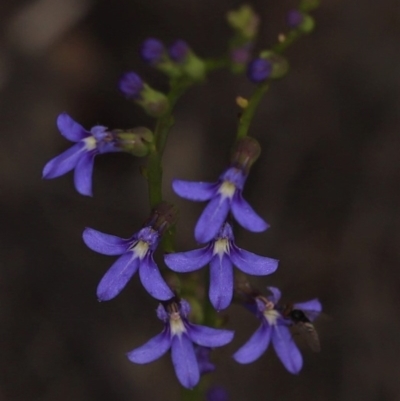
81	155
179	335
152	51
131	85
259	70
294	18
221	253
137	254
179	50
224	196
217	393
275	327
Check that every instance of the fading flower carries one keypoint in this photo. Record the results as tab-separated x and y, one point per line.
221	254
180	335
81	155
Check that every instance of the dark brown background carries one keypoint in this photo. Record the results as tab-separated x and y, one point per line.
327	181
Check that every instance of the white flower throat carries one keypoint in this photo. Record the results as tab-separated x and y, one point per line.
227	189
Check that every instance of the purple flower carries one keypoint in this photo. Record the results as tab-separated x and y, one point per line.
224	196
179	336
221	253
179	51
275	327
131	85
203	359
259	70
152	51
136	254
81	155
294	18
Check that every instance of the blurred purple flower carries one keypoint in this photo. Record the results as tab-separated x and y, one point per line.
224	196
137	254
275	327
179	50
81	155
131	85
221	253
152	51
259	70
294	18
179	335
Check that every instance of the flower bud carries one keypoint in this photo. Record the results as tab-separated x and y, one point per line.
309	5
154	53
136	140
245	152
190	64
245	21
259	70
131	85
153	102
280	65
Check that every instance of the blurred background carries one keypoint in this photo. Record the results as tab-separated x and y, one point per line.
327	181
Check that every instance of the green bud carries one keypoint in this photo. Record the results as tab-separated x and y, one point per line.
194	67
309	5
280	65
169	68
155	103
245	153
244	20
307	25
136	140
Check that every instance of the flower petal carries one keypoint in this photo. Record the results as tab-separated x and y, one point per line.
152	280
195	191
211	219
152	350
209	337
221	282
70	129
276	294
104	243
184	360
184	262
286	349
255	347
313	306
246	216
117	276
251	263
64	162
83	174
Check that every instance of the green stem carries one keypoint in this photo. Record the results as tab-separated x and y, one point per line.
249	111
154	166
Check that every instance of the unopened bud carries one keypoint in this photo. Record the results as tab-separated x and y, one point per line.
280	65
245	152
190	64
155	103
245	21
